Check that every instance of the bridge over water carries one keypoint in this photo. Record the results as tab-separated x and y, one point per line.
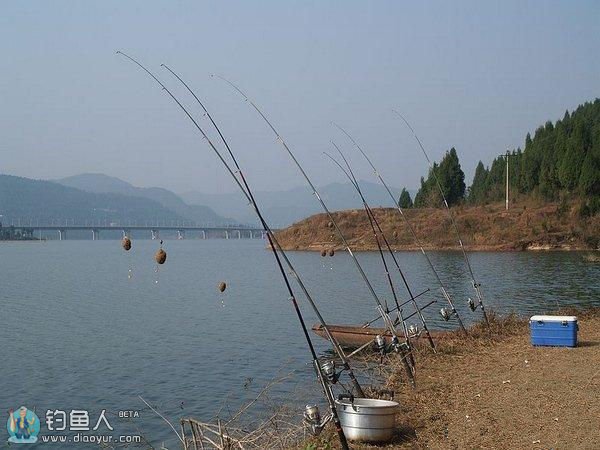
225	232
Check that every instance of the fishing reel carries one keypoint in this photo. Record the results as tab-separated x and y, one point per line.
472	305
313	421
446	314
328	369
413	331
380	344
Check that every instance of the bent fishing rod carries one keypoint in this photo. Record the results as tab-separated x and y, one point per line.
385	316
400	319
475	284
272	239
374	222
327	390
444	313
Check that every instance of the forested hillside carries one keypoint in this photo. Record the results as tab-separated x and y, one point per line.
23	200
561	159
560	163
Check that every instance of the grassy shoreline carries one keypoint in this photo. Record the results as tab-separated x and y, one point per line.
526	226
495	390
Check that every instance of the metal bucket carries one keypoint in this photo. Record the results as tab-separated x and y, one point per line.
368	419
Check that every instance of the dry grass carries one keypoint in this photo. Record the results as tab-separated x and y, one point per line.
495	390
527	225
491	389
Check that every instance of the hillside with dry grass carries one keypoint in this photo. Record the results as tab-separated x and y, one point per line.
525	226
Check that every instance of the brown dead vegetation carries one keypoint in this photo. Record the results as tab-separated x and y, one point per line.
495	390
526	226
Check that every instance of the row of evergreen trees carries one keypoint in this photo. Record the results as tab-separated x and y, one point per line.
561	159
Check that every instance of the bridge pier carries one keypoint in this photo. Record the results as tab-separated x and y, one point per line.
154	234
95	234
180	234
126	233
62	235
239	234
203	234
226	234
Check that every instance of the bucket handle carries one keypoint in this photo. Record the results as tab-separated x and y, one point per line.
349	397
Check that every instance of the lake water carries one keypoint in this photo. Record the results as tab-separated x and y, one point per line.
77	333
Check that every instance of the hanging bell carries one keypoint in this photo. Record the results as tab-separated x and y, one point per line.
331	252
330	224
222	286
323	253
126	244
161	256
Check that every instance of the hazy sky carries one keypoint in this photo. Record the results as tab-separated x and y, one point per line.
474	75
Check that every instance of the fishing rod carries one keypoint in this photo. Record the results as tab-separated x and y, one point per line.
311	414
406	302
251	200
476	285
373	220
384	315
400	319
446	315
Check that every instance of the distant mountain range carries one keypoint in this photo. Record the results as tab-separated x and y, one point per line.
104	199
100	183
282	208
23	201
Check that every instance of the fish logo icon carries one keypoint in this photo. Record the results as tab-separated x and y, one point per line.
23	426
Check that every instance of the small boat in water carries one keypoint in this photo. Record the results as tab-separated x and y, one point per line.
353	336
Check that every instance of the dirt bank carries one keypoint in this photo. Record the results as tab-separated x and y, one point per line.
502	393
526	226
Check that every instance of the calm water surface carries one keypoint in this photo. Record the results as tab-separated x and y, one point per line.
77	333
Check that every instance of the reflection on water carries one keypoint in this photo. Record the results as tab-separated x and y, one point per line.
77	332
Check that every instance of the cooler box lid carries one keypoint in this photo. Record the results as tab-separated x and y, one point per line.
553	319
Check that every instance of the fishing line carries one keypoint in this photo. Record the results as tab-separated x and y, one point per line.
270	235
391	253
444	313
385	316
248	194
475	284
160	257
375	223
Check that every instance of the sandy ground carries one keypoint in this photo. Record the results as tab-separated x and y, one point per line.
502	393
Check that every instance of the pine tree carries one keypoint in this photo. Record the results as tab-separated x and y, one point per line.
451	179
405	201
478	190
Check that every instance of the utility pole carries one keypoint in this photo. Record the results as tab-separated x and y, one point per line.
506	155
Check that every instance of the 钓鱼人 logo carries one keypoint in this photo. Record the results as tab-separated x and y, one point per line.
23	426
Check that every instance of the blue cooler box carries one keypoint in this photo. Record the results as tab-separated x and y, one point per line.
554	331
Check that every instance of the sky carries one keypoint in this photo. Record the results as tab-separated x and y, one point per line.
476	76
